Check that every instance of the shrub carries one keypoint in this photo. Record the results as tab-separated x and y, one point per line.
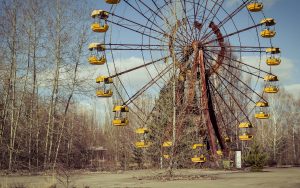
255	157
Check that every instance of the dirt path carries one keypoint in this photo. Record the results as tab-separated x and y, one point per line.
271	178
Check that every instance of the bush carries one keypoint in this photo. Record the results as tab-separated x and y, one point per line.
255	157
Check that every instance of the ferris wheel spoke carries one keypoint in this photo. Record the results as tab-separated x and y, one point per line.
245	51
186	34
227	18
184	7
236	77
245	84
140	25
194	8
142	14
131	29
240	69
204	12
138	67
211	12
184	37
163	18
203	15
234	33
220	112
159	9
222	99
232	96
222	78
149	8
148	85
133	112
149	72
137	114
136	47
238	105
197	8
178	41
122	85
235	60
214	16
240	47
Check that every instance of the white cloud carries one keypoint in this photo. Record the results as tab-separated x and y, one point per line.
88	73
294	89
284	71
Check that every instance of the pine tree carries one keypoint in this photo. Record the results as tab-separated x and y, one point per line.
256	158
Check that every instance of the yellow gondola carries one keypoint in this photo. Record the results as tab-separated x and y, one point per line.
112	1
103	93
182	77
245	128
246	137
195	146
227	139
121	122
200	159
271	78
142	144
273	61
121	109
96	27
96	46
142	134
268	22
255	6
120	118
94	60
167	144
219	152
245	125
266	33
271	89
271	86
166	156
262	115
104	79
100	13
262	104
142	131
273	50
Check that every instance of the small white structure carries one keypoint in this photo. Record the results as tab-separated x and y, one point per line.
238	159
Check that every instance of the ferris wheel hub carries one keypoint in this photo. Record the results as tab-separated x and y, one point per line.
197	45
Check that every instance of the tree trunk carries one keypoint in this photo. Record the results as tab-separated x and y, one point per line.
12	86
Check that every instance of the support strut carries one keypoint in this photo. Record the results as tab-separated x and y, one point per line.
207	106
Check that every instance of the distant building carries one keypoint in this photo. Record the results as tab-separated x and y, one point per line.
97	156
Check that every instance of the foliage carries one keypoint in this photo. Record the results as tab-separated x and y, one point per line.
256	158
138	156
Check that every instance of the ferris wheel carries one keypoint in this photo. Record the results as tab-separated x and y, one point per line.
201	48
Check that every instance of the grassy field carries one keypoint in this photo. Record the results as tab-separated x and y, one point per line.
270	178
